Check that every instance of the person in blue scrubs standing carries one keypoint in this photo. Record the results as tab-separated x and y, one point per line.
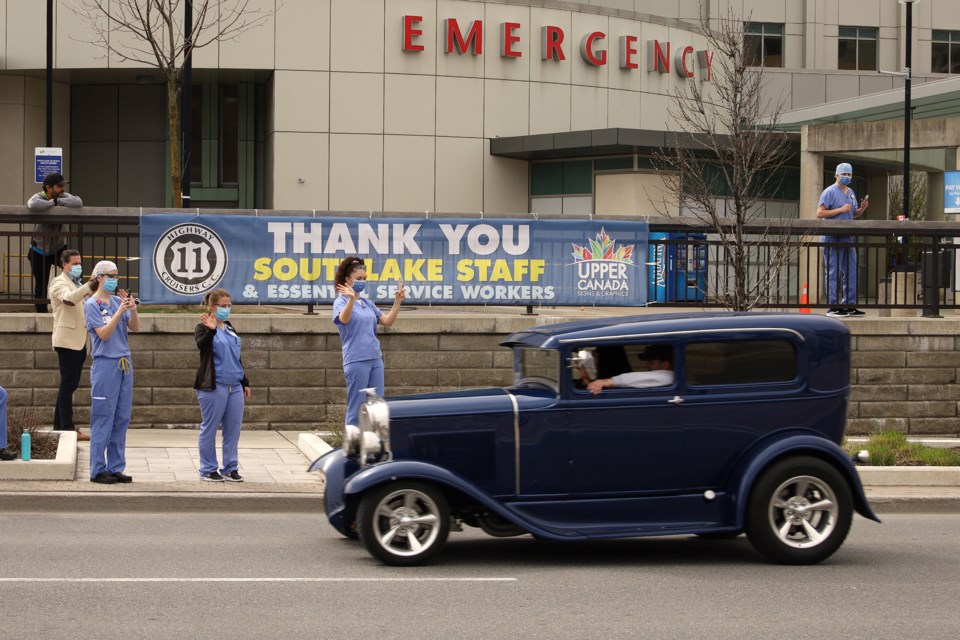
108	318
4	453
839	202
357	319
221	386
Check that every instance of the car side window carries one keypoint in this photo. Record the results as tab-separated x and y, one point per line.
633	366
740	362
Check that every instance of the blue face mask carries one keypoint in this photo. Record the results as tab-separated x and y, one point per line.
846	180
359	285
222	313
110	284
76	271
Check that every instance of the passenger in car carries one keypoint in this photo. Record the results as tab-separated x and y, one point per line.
660	374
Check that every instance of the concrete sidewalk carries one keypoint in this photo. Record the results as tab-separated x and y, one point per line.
165	467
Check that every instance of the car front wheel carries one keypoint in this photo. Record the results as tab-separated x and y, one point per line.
800	511
403	523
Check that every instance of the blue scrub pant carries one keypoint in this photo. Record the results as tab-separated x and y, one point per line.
221	406
840	272
111	391
361	375
3	418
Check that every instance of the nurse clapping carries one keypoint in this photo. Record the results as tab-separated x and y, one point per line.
221	386
108	318
356	319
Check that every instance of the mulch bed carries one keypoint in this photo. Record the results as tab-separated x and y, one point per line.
42	447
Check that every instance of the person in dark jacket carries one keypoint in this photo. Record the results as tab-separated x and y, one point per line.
48	242
221	386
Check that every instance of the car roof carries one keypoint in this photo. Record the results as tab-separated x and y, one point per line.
612	328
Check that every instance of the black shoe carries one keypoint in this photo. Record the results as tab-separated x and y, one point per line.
213	476
122	477
836	312
855	313
104	478
233	476
6	454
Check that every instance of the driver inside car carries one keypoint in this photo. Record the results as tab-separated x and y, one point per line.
659	359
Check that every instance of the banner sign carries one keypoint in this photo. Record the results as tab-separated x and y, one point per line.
951	191
293	260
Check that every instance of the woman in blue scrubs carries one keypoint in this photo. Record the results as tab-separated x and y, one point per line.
4	453
108	318
357	319
221	386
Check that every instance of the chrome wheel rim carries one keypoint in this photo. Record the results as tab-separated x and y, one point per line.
406	522
803	512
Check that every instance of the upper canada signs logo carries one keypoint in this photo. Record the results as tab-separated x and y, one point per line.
190	259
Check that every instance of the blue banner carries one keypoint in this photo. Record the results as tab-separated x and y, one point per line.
951	191
293	260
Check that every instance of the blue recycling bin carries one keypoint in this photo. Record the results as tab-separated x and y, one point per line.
677	267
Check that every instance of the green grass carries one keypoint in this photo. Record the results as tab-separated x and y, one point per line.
891	449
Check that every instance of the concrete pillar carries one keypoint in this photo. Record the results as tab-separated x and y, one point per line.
935	184
811	186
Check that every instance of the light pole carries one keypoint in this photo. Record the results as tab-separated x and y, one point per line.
49	122
186	104
907	68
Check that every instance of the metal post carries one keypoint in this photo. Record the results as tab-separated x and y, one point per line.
930	272
186	104
906	111
49	73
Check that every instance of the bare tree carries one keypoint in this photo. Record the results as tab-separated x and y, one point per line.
723	157
151	32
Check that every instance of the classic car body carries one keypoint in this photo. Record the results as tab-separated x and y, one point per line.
745	439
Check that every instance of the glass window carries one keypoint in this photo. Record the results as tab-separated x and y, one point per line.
639	366
196	135
763	44
740	362
857	49
945	52
570	177
229	134
535	365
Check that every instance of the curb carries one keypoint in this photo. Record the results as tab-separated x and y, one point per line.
152	502
60	468
909	476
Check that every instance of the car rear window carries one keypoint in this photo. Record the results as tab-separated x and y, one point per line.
740	362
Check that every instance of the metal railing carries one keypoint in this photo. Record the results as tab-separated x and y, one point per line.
918	273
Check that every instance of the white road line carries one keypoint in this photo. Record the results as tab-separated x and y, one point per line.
21	580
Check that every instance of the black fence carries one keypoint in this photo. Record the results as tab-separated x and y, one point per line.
899	265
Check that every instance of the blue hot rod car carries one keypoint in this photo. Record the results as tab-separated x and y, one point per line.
709	424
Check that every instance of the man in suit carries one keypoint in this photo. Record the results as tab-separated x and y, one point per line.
69	335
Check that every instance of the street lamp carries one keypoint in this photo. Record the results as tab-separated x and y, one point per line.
906	74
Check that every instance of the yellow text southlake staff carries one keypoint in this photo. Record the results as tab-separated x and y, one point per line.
406	269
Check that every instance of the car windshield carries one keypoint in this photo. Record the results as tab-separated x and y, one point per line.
537	366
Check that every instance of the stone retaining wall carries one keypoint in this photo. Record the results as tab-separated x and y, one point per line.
904	375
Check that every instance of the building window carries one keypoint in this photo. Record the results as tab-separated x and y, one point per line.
945	52
763	44
857	49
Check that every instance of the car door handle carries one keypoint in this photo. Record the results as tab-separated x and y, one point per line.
676	400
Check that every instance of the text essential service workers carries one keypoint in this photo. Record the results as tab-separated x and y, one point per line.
221	387
108	317
356	319
839	202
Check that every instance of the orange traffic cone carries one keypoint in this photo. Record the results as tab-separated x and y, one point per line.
804	300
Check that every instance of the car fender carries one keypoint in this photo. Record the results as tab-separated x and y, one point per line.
336	468
800	445
375	475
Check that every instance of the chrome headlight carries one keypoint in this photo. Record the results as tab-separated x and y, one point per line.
351	440
375	428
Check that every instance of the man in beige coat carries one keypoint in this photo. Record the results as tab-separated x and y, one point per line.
69	335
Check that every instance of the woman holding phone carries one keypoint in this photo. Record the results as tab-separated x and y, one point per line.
357	319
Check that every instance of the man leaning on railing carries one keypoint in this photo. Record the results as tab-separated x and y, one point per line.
48	241
839	202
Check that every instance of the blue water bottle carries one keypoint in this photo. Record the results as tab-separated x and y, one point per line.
25	447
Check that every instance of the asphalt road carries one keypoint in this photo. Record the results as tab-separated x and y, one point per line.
234	576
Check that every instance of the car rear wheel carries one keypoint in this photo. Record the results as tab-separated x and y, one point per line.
800	511
403	523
